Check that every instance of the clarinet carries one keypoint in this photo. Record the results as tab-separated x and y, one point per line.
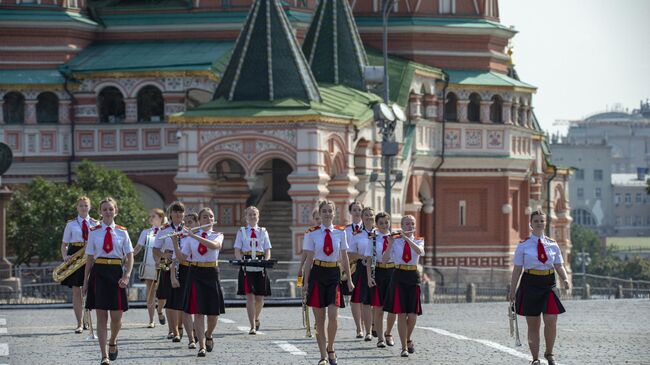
374	255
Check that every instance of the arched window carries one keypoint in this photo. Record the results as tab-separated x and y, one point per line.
151	106
496	109
474	108
111	105
47	108
13	109
451	114
583	217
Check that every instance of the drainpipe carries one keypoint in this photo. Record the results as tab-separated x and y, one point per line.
73	102
434	180
548	199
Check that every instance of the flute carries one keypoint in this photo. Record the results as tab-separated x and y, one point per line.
194	229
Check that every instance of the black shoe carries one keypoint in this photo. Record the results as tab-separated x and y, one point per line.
201	353
332	361
374	333
176	339
410	347
105	361
257	325
161	318
209	343
112	355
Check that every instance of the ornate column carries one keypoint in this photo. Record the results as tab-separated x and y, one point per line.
529	116
462	111
430	107
415	106
130	110
64	111
485	111
523	115
441	109
515	113
30	111
506	108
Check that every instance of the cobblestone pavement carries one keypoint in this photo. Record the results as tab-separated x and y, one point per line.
591	332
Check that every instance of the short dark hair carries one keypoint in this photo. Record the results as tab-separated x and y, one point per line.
356	202
382	215
537	212
176	207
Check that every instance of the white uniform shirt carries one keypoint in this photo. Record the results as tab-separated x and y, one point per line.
72	232
360	242
315	241
379	245
398	251
146	240
526	254
121	242
166	244
191	249
350	232
244	242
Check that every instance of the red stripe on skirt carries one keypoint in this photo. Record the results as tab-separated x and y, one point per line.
193	307
357	290
418	307
338	295
397	305
520	310
375	297
551	304
314	298
247	289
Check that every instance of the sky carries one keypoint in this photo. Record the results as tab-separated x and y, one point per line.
584	56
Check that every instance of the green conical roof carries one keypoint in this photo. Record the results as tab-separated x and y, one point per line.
333	46
267	63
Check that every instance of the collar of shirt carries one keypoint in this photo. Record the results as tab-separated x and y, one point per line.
80	219
112	225
257	228
330	227
176	228
542	237
358	224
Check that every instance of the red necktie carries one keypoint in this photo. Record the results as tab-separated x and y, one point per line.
108	241
155	230
202	249
406	254
541	254
328	248
84	230
253	235
383	249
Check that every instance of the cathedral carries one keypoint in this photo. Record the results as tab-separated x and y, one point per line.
228	103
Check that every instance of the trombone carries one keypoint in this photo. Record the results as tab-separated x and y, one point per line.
514	324
193	230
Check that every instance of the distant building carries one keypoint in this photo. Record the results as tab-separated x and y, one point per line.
631	204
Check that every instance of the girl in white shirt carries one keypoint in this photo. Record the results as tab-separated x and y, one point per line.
109	249
360	297
355	208
253	282
539	258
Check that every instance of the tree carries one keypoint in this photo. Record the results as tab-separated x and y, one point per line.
584	238
38	211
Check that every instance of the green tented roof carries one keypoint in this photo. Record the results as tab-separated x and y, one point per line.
400	74
397	21
42	15
152	55
484	78
33	77
337	101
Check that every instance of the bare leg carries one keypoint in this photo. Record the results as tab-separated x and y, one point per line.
189	327
402	329
259	304
379	323
390	322
77	300
321	338
116	325
550	331
332	325
250	309
212	324
171	321
355	308
199	326
151	299
102	319
411	320
533	335
366	313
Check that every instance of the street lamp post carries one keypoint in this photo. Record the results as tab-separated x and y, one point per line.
583	259
388	145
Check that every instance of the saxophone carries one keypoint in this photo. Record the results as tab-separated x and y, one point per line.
66	269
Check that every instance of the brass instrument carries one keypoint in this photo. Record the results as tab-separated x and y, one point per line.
193	229
88	320
305	313
514	324
67	268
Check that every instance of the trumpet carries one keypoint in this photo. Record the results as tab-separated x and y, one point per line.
514	324
194	229
305	313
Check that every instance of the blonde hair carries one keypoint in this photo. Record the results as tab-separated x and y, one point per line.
252	207
205	209
83	197
323	203
108	199
407	216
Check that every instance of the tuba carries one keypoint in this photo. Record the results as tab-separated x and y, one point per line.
66	269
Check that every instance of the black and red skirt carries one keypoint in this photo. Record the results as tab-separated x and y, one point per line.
382	281
77	277
361	291
164	290
176	300
253	282
538	294
324	287
104	291
403	294
203	293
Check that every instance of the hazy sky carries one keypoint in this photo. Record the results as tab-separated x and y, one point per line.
584	56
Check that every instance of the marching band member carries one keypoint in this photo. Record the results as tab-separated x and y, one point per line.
203	296
379	283
361	293
253	282
75	237
323	245
179	280
351	229
539	257
147	270
109	247
163	251
315	219
403	295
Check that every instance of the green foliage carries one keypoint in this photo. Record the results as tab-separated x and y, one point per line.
38	212
604	261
